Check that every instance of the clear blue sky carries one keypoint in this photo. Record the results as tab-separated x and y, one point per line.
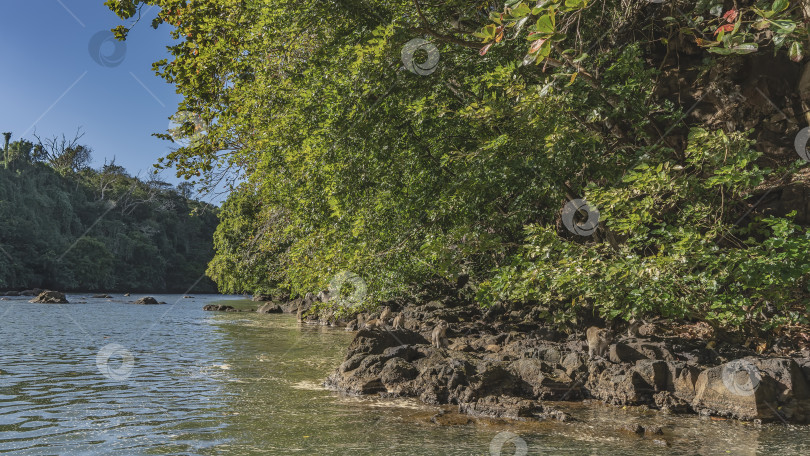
52	85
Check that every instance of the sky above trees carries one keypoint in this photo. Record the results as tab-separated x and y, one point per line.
60	74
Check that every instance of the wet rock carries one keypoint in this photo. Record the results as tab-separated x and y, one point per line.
269	307
754	389
633	428
146	300
668	402
188	297
445	418
50	297
514	408
101	296
216	308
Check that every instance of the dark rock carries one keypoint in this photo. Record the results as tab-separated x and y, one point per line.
216	308
539	381
269	307
101	296
632	428
514	408
146	300
188	297
445	418
397	370
50	297
619	385
623	353
754	389
406	352
375	341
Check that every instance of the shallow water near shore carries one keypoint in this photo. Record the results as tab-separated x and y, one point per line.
184	381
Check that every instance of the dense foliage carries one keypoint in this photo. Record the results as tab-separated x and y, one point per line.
65	226
349	161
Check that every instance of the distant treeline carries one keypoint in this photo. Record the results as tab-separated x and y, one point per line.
66	226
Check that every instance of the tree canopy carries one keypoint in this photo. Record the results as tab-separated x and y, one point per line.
66	226
352	147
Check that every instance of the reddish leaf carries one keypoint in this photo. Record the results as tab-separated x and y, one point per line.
536	46
724	28
731	15
484	49
499	34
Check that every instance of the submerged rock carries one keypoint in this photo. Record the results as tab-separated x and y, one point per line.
50	297
101	296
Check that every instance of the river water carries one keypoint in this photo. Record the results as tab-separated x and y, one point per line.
110	377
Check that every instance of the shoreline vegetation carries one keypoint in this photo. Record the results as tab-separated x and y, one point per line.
501	363
503	177
65	226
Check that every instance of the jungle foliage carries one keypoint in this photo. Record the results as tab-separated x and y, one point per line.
65	226
346	160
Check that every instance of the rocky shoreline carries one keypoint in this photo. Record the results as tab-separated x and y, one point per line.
500	364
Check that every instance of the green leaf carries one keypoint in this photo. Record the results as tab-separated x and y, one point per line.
779	5
545	24
795	52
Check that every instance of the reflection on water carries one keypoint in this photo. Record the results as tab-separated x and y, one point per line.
243	383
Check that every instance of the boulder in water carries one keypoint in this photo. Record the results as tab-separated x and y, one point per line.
50	297
216	308
269	307
102	296
146	300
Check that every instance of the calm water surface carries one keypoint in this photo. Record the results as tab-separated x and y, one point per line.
109	377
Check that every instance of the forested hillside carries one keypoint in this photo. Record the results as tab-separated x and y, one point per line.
66	226
456	155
